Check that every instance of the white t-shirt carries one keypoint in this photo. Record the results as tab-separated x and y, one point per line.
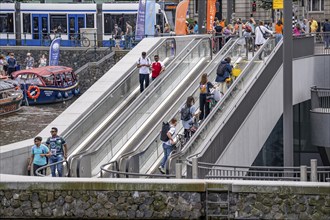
144	69
172	132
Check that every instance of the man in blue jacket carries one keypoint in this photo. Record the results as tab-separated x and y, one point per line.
223	74
326	28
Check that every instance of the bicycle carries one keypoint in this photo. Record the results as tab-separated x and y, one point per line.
80	39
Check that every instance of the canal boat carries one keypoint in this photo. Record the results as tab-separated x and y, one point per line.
10	96
47	84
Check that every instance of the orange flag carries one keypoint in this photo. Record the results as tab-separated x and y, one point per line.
211	10
180	17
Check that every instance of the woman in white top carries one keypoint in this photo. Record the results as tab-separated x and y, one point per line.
43	61
260	40
259	32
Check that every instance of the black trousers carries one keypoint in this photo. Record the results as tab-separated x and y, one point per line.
35	167
203	106
143	78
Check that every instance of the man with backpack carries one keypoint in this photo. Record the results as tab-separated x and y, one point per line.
157	67
144	65
223	74
167	136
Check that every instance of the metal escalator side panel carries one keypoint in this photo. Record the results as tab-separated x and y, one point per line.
153	144
227	119
104	103
106	142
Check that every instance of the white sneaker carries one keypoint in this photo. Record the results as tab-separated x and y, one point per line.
161	169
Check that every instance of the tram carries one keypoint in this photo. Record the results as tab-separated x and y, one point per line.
33	24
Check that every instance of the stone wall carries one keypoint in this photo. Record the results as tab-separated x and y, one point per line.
69	56
90	64
32	197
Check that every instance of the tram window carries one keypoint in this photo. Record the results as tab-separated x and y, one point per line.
90	20
7	23
58	23
107	24
27	23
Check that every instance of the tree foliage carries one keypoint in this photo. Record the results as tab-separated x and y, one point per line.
266	4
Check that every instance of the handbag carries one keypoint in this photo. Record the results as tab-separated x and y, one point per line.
263	34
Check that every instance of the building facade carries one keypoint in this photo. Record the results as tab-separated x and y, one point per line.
318	9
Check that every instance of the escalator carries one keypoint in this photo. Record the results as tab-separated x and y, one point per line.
132	122
219	128
98	117
145	157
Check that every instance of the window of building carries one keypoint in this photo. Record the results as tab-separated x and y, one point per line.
316	5
7	23
90	21
58	23
27	23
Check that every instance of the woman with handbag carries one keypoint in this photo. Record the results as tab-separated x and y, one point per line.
261	36
204	88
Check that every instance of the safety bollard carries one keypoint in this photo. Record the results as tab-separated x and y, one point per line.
303	173
314	170
178	170
194	168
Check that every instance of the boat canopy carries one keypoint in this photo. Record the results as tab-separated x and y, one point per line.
44	71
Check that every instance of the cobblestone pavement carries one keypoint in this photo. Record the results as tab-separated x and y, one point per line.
29	121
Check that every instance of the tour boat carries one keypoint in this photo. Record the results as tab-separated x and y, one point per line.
10	96
47	84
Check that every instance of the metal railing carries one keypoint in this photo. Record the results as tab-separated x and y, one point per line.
150	145
118	136
114	98
225	106
49	165
312	173
320	98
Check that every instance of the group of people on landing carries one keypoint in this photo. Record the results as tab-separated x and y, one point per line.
55	151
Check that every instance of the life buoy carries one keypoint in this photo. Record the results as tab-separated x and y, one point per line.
36	92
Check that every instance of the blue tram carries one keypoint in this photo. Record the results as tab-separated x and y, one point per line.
35	24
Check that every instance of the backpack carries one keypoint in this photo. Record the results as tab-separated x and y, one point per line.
248	28
221	69
163	134
185	113
148	60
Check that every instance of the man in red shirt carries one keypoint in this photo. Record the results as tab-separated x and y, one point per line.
157	67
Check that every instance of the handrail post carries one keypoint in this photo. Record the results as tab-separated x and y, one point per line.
314	170
303	173
194	168
178	170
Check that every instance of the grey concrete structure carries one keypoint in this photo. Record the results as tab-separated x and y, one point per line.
254	131
32	197
14	156
243	9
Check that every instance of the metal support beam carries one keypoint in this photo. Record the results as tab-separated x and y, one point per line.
303	173
287	86
194	168
201	16
178	170
229	10
313	170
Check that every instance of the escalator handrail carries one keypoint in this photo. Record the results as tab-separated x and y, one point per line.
133	153
119	122
109	91
244	72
